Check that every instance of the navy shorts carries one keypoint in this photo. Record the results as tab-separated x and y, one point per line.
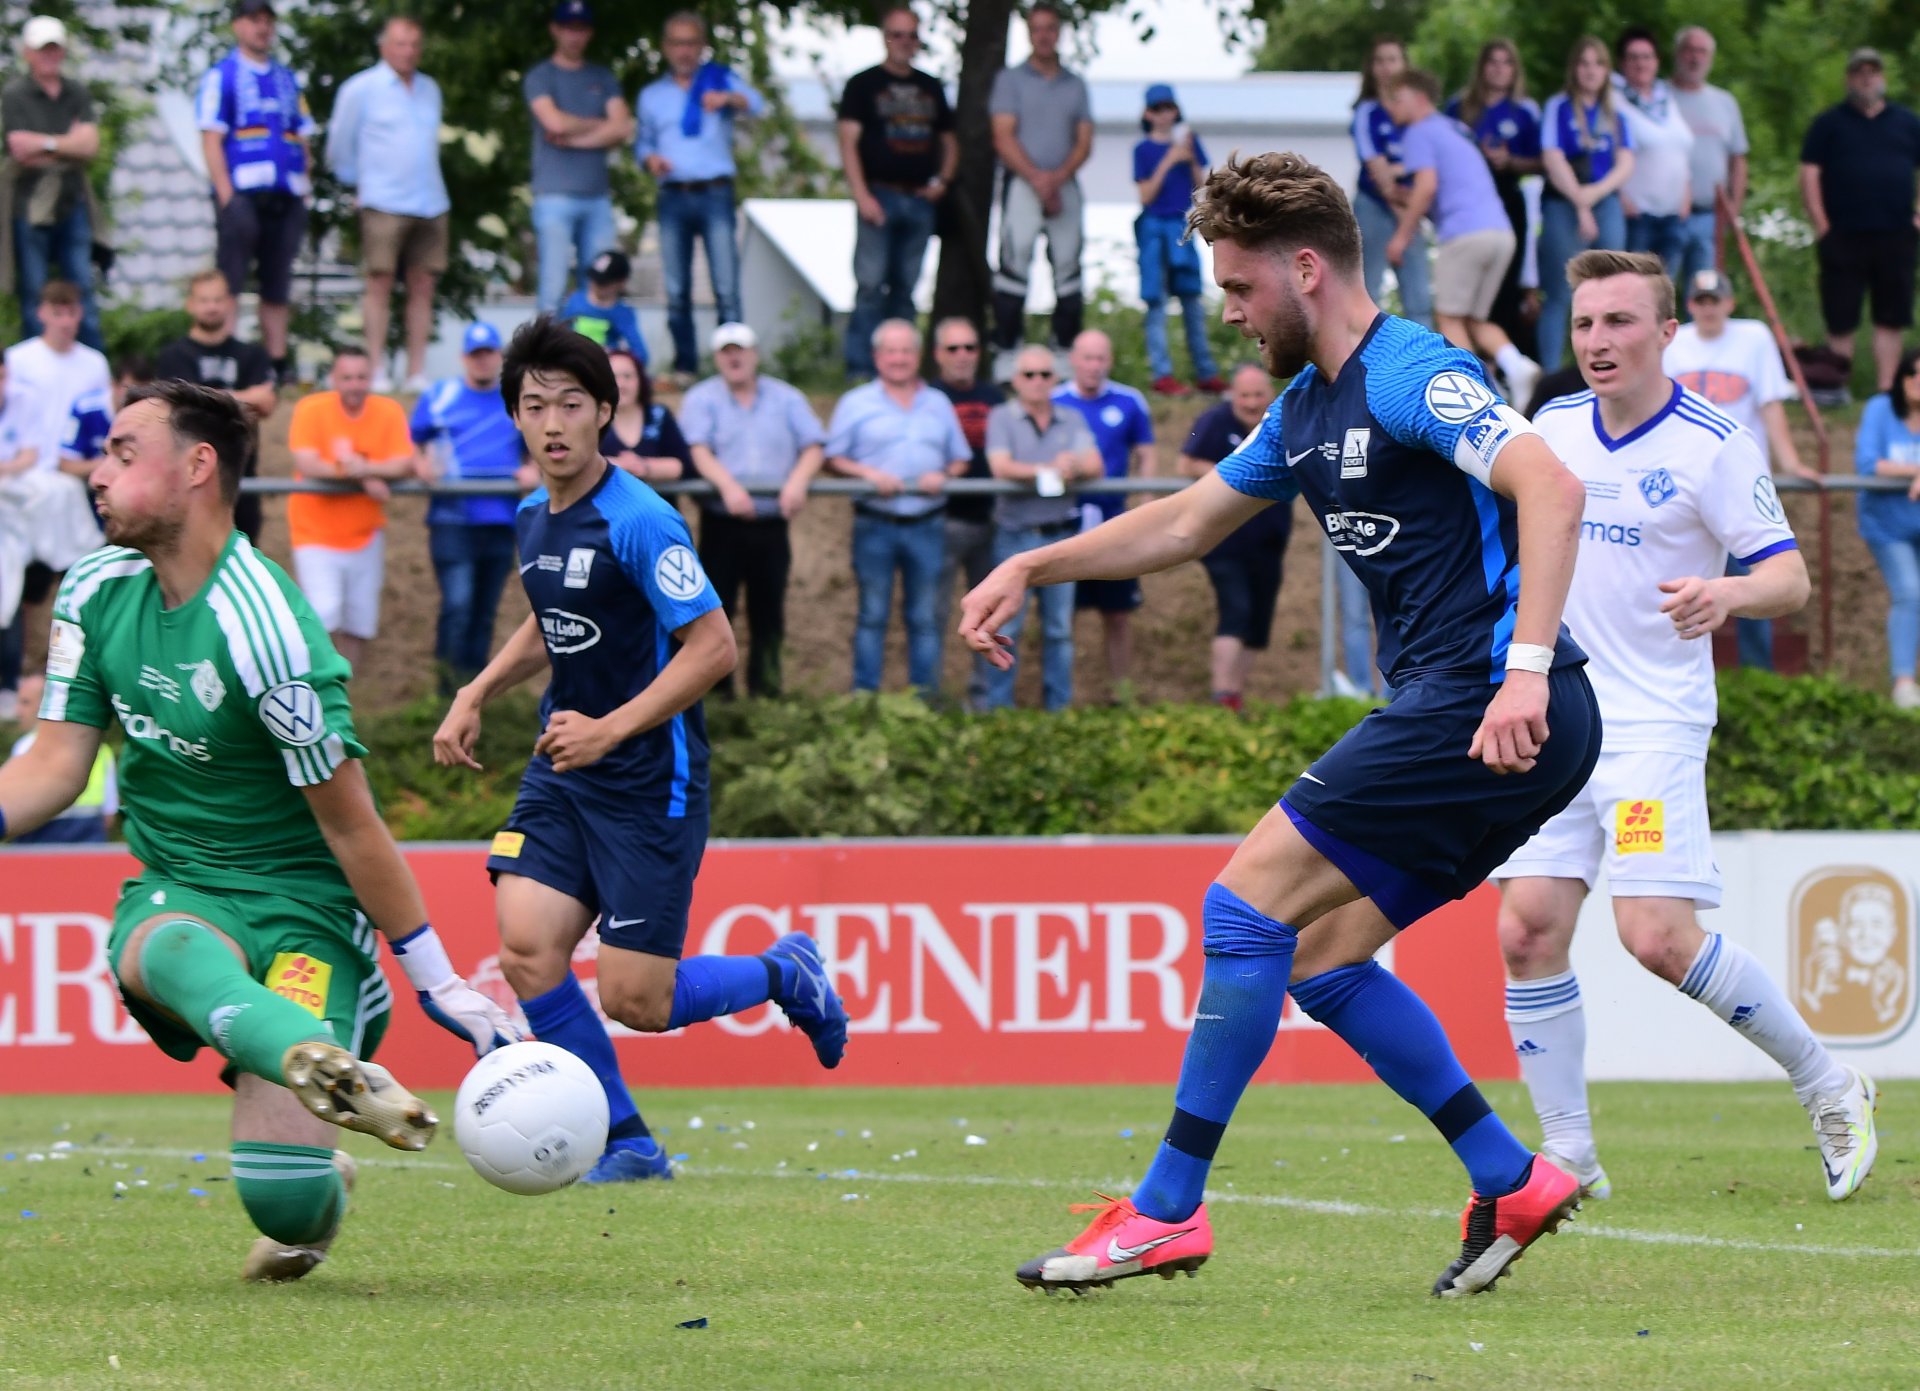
1413	822
1107	596
633	866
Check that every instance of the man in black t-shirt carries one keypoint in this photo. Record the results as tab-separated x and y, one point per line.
1857	173
956	358
211	356
899	152
1244	568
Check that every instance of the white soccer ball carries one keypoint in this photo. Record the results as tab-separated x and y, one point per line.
530	1118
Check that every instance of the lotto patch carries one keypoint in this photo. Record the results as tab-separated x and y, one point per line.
508	844
1639	828
302	979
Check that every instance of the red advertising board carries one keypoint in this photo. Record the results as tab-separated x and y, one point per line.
961	962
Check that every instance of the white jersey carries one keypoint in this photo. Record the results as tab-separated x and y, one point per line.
1670	500
1740	371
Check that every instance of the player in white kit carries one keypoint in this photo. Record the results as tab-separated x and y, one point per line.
1673	488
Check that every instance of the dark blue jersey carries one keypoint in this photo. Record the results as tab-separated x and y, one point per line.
610	579
1393	458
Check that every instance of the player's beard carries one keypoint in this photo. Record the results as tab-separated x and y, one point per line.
148	534
1286	340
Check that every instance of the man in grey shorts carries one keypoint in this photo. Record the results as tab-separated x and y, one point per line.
1452	184
1042	134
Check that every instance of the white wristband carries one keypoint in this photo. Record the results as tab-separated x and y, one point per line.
1529	656
423	958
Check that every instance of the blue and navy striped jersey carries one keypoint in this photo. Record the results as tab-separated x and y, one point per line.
1375	454
610	579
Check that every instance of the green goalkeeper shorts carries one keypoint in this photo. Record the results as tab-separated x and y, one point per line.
321	956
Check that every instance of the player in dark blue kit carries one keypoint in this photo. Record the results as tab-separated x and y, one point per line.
611	820
1439	497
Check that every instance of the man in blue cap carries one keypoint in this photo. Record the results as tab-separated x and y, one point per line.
461	429
578	115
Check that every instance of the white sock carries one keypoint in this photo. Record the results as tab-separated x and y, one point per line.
1727	979
1508	360
1549	1028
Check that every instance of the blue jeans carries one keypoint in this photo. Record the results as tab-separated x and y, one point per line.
1663	234
1193	318
916	549
1356	631
1753	636
706	214
472	564
569	231
1697	251
1377	226
1560	243
1899	563
66	247
1056	627
886	266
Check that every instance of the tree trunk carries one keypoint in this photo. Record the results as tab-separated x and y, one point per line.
963	286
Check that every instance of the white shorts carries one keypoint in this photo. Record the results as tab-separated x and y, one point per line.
344	586
1643	818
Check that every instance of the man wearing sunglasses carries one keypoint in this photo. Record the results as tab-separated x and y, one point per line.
899	152
1033	439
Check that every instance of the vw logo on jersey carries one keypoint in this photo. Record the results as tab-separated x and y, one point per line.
1766	502
1457	398
1658	487
291	712
1112	416
678	573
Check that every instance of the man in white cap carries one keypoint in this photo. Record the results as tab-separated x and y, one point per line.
52	135
747	430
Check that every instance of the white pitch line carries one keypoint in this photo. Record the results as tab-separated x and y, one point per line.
1323	1207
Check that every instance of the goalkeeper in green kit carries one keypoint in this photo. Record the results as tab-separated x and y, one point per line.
265	868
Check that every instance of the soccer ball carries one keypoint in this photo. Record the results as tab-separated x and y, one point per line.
530	1118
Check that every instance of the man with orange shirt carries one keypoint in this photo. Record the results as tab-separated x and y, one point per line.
339	539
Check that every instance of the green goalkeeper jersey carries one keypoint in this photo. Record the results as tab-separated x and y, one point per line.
232	703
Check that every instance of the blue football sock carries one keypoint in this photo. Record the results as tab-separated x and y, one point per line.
1393	1030
564	1016
706	986
1243	986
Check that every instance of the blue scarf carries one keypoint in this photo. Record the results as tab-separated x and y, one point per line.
712	77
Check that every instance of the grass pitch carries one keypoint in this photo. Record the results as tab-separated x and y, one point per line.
862	1239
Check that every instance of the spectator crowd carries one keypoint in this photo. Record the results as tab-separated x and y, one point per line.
1473	201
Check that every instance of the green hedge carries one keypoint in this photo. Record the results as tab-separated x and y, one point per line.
1808	753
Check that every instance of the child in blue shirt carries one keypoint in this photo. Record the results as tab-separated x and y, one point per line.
599	310
1167	165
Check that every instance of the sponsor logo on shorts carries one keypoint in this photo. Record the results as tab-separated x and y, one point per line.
1457	398
205	683
1658	487
579	568
302	979
567	632
1353	454
291	712
1766	501
1363	533
143	726
1612	533
66	643
508	844
1852	951
678	573
1640	828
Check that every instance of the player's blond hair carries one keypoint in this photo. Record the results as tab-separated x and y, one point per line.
1281	202
1604	265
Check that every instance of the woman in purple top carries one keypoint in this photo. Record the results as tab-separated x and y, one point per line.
1167	166
1496	108
1376	139
1587	154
